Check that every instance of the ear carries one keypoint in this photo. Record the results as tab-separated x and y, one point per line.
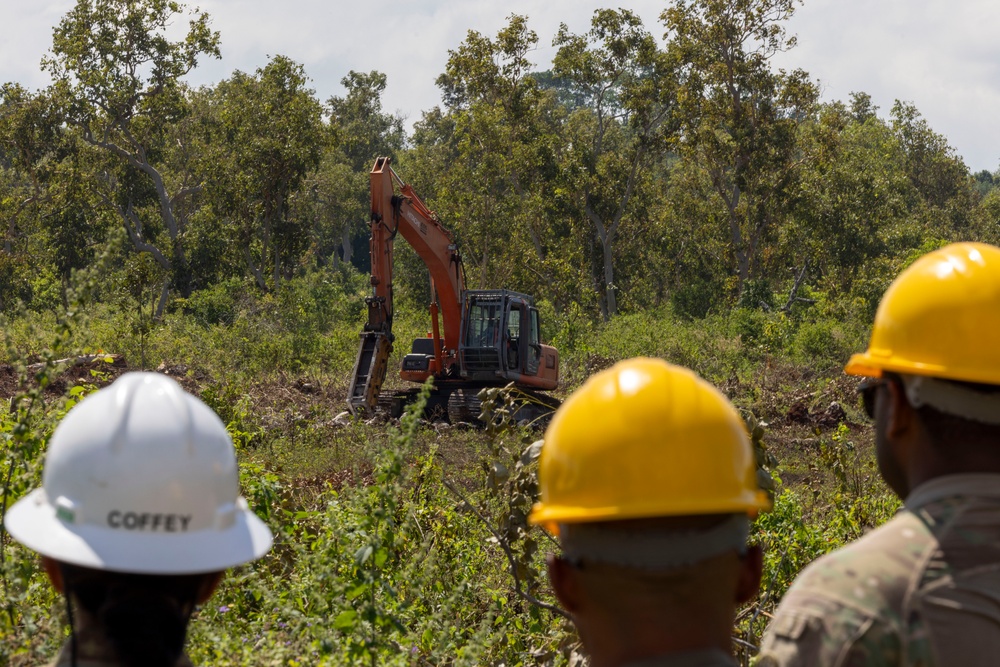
751	571
900	417
54	573
210	582
565	582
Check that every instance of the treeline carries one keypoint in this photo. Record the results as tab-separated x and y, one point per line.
628	173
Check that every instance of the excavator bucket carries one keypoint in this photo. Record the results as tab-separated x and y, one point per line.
369	372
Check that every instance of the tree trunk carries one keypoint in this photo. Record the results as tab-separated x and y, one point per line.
258	276
161	305
347	246
609	279
11	227
606	235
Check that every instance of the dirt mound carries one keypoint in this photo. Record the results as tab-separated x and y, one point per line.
799	414
94	369
335	480
829	417
99	370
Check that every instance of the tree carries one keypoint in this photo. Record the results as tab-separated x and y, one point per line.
937	173
271	140
495	150
739	118
627	87
853	194
49	208
119	76
360	131
30	147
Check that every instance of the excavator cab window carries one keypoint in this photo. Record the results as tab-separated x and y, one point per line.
513	337
534	348
484	325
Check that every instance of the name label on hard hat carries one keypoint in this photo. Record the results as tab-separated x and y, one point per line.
152	521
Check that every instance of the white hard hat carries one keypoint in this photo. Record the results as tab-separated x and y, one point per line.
140	477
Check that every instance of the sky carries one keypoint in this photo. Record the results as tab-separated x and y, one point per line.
941	55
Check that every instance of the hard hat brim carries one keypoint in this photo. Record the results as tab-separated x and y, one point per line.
866	364
549	516
32	522
863	365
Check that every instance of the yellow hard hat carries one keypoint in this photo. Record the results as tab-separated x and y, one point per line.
645	439
940	318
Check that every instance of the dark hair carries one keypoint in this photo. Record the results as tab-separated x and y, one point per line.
144	617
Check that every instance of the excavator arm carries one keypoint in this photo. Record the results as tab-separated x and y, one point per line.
396	209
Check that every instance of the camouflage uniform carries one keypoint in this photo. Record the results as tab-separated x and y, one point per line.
93	651
705	658
924	589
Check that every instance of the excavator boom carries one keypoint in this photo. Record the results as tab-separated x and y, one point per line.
404	213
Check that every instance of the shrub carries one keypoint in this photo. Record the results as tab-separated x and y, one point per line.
217	304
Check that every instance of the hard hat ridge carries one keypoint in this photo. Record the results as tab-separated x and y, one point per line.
128	387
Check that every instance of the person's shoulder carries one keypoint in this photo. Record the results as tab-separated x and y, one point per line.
873	571
846	607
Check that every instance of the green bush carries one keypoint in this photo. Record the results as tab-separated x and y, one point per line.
822	343
217	304
695	300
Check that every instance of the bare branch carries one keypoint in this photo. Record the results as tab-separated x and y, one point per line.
795	288
507	552
257	274
185	192
134	231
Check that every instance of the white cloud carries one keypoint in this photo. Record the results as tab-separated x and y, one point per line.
941	55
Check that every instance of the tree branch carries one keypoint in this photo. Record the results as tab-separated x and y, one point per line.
135	230
258	276
185	192
795	288
528	597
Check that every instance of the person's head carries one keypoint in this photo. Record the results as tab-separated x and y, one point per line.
933	368
648	478
139	514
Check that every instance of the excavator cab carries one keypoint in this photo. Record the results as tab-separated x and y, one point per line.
500	340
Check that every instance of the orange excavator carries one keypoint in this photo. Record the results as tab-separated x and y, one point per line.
484	337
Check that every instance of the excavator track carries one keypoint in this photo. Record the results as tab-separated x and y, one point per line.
533	408
536	408
463	405
393	404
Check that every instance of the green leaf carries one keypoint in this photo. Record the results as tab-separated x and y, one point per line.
345	620
356	592
362	555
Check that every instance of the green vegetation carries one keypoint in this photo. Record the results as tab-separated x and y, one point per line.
399	544
684	200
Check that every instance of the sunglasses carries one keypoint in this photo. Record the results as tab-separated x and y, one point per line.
867	391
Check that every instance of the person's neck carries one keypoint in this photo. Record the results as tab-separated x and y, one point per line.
91	642
616	644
